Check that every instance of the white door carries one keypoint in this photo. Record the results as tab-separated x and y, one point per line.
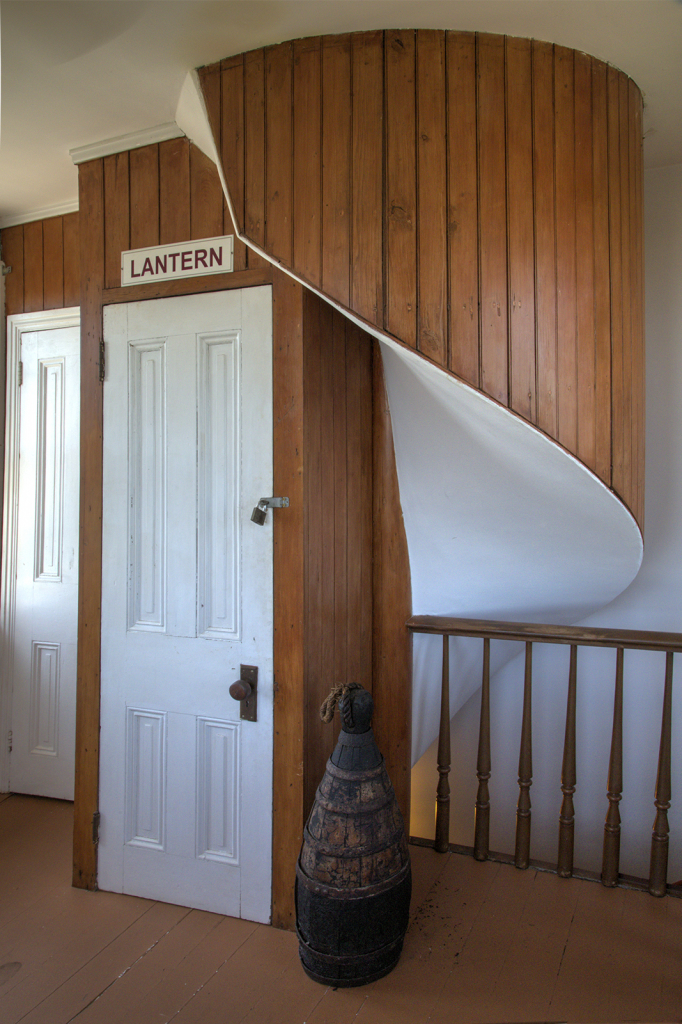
40	573
185	785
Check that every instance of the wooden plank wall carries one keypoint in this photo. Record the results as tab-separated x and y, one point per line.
44	257
338	510
478	197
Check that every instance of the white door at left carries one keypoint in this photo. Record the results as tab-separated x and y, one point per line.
40	581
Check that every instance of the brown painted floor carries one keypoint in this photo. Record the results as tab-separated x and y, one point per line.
486	943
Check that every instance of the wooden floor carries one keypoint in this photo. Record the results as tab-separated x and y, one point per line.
486	943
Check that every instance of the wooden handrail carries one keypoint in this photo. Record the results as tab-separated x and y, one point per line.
583	636
575	636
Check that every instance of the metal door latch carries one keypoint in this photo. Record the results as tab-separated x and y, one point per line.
245	691
258	514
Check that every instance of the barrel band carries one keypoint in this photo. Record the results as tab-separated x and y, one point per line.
354	959
360	893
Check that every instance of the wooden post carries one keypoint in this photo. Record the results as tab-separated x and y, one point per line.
568	777
522	852
658	873
611	854
482	828
442	843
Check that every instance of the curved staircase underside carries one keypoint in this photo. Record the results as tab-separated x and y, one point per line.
501	523
474	202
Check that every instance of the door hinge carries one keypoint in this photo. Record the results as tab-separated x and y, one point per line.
21	373
9	742
95	828
101	361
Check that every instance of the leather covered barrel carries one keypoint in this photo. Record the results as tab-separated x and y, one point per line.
353	878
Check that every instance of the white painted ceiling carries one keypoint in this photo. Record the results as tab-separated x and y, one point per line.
76	72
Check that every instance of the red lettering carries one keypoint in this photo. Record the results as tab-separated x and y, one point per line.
161	262
217	257
147	267
132	269
173	256
187	261
200	257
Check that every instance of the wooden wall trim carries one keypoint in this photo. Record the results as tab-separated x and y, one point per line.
289	567
188	286
86	790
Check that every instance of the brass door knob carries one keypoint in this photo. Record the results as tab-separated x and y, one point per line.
241	690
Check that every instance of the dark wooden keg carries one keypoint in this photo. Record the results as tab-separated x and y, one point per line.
353	879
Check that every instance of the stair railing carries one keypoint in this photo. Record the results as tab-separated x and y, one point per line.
530	633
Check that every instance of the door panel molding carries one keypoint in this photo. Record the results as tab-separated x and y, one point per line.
17	325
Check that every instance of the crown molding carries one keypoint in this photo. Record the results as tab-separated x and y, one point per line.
121	143
42	213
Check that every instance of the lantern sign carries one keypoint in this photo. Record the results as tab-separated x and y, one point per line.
181	259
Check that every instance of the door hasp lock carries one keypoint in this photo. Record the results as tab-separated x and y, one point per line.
258	514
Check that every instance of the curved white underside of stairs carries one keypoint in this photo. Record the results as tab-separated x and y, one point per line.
501	523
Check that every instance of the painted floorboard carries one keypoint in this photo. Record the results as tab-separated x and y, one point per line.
487	944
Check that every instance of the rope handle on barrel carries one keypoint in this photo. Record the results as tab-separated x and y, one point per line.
329	703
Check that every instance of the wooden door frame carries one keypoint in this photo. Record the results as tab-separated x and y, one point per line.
17	325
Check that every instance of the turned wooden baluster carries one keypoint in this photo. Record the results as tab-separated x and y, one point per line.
611	855
522	852
442	843
658	873
568	777
482	831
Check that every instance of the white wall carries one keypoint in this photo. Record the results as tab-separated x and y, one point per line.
652	601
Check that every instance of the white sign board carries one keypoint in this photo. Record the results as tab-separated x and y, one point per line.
181	259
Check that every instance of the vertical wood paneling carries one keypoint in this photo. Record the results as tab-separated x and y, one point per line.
315	553
616	280
211	84
230	115
493	216
624	141
567	369
400	255
532	244
520	229
174	219
340	512
584	229
367	296
86	787
116	215
462	206
432	327
545	237
358	637
206	196
639	389
392	603
13	256
33	266
53	263
72	285
338	529
279	151
602	298
144	197
307	159
289	569
336	172
254	152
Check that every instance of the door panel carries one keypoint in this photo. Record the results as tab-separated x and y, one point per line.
185	786
43	633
